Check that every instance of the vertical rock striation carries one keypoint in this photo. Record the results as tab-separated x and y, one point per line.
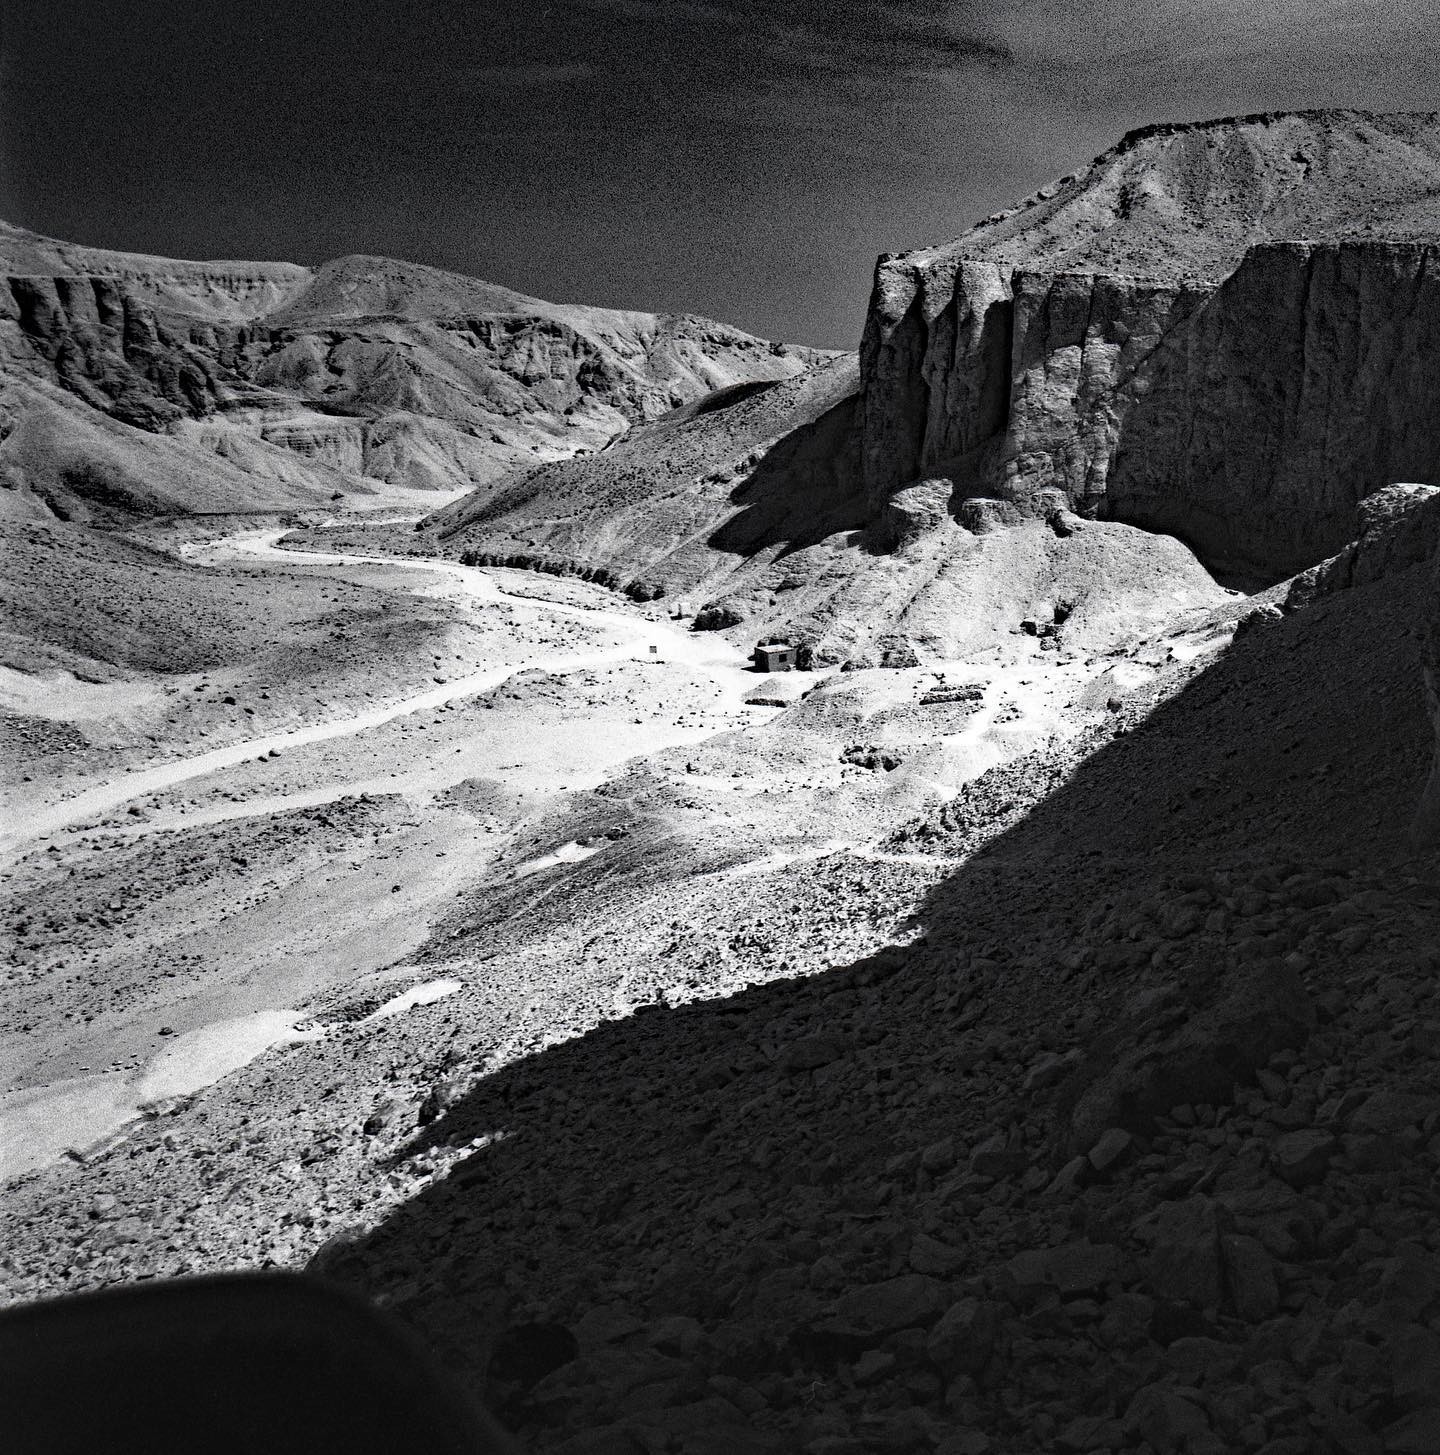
1427	820
1307	381
1098	345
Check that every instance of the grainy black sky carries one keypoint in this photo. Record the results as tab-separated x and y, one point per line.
741	158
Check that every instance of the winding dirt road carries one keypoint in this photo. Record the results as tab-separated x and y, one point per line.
39	1122
674	643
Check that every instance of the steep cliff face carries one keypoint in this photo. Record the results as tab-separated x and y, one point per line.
1015	360
1082	346
114	349
381	370
1309	380
1427	819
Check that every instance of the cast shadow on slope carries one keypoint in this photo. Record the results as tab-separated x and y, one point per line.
742	1163
803	489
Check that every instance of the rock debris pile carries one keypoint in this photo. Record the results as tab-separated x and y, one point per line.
1190	1208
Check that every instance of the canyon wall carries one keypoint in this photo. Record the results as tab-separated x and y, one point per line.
935	364
1427	820
1247	417
1146	340
1310	380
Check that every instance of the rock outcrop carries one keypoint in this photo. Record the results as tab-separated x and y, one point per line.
1097	345
1227	333
1306	383
1396	528
746	511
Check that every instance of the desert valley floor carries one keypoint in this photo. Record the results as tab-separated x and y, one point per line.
539	722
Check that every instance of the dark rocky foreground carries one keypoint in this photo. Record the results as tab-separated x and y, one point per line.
944	1201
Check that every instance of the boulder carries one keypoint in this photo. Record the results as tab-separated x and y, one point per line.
1301	1157
962	1341
1184	1261
1148	1063
807	1053
910	1301
1072	1268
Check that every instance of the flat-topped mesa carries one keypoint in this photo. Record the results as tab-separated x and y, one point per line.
1015	359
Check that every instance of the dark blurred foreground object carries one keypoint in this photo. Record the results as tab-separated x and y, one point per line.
265	1363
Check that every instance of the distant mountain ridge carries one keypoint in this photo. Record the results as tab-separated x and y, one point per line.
363	372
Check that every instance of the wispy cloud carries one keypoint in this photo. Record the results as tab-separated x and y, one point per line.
523	76
861	38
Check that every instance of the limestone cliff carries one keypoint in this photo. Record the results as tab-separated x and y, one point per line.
1063	351
1249	419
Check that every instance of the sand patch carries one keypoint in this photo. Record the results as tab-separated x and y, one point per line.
426	994
64	697
202	1056
571	853
41	1123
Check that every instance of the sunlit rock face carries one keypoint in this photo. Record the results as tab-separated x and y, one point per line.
1222	330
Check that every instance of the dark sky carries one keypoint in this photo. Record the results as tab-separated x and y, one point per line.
741	158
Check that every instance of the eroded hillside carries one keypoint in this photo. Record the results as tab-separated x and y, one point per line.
1016	1030
366	371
